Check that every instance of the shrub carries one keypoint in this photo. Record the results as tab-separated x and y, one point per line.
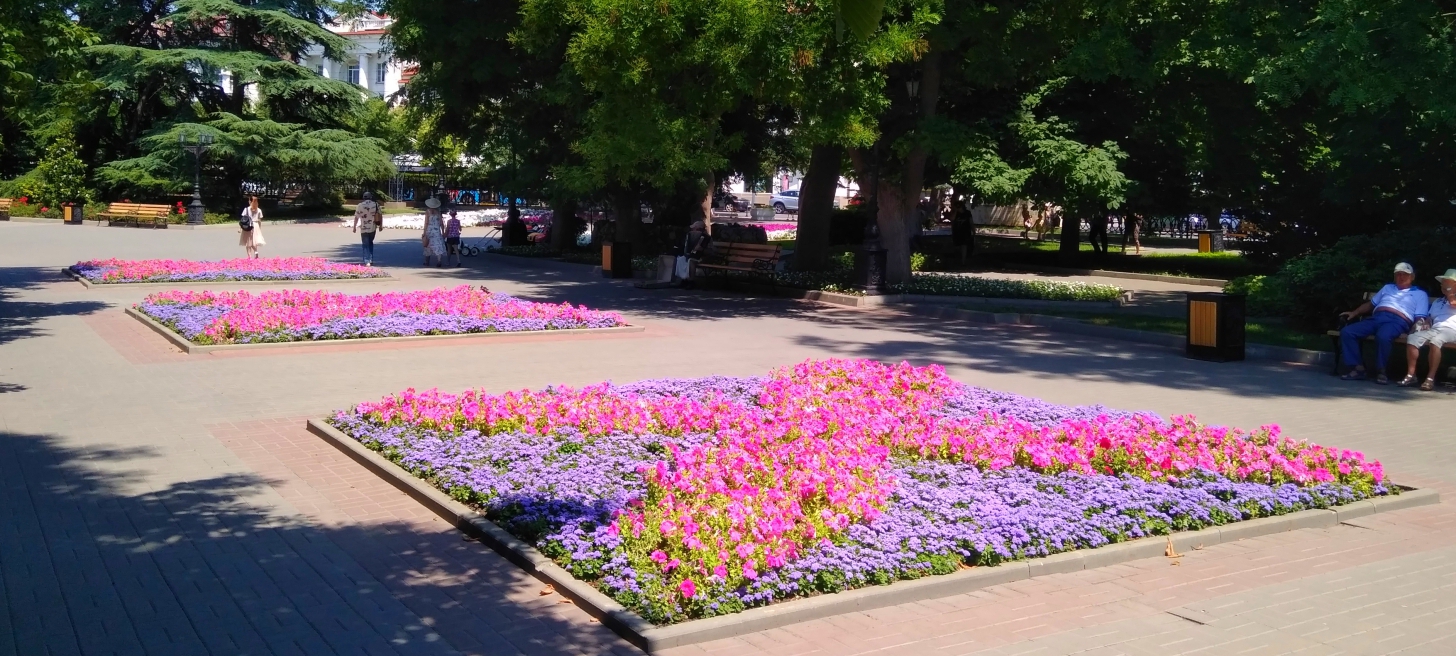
1310	290
1265	295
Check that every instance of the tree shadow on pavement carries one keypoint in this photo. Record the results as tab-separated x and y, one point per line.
1036	352
18	318
95	560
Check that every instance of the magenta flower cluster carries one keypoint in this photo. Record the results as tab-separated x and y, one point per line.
272	268
691	498
208	317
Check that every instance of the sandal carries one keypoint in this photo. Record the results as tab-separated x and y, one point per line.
1428	385
1354	374
1408	381
1380	379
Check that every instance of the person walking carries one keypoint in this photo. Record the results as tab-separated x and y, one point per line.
367	219
434	238
1132	228
250	228
1097	232
452	239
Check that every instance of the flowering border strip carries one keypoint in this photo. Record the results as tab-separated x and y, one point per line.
193	349
211	283
652	638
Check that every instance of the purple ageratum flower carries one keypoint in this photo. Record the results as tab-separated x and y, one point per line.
561	491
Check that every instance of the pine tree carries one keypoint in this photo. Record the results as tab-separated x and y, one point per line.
278	121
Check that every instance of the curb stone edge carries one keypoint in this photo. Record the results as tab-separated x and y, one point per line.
194	349
651	638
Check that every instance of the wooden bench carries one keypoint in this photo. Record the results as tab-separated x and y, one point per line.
735	258
4	209
136	215
1334	336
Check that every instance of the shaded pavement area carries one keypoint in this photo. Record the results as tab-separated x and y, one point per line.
153	502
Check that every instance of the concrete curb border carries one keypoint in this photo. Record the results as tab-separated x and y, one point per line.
195	349
652	639
129	285
1261	352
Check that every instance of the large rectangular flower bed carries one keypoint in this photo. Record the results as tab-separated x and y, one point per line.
213	318
114	271
692	498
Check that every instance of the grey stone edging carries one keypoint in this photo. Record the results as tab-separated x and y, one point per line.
192	349
652	638
1262	352
198	283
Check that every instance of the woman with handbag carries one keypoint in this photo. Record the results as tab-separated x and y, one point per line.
250	225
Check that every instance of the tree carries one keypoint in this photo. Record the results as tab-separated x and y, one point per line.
170	78
61	175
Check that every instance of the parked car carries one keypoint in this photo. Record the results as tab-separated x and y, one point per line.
785	201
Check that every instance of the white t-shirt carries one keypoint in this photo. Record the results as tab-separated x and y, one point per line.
1442	314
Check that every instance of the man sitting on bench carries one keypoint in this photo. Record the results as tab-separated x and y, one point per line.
1395	308
1438	330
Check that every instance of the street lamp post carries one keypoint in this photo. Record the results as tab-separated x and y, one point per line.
869	265
197	148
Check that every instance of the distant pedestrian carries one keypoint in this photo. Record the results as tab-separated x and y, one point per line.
962	229
367	219
1026	221
1132	228
434	238
452	239
250	228
1097	232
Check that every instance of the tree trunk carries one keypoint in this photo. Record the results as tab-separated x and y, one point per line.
563	224
896	237
816	206
1068	252
628	211
894	232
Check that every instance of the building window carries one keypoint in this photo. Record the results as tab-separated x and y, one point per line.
379	71
354	74
320	70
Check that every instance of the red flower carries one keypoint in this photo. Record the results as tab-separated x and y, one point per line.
45	209
25	200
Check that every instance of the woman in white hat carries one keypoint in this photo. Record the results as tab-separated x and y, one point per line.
434	238
1438	329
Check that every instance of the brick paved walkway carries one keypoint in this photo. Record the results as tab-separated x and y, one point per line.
157	503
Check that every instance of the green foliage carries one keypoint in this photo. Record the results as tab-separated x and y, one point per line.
61	175
1264	296
934	284
1310	290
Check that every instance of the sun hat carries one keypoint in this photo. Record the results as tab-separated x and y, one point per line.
1405	267
1450	275
434	203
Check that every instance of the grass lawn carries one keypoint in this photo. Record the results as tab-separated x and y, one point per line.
1225	265
1255	331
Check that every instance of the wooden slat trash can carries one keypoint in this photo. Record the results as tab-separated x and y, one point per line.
616	260
1210	241
1215	326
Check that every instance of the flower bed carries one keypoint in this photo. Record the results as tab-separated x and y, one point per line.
693	498
937	284
114	271
841	281
296	315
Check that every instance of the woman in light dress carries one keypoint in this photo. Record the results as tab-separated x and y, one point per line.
250	240
434	237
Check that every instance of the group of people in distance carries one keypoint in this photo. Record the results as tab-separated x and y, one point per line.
441	238
1401	308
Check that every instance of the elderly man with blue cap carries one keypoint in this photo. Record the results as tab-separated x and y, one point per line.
1394	309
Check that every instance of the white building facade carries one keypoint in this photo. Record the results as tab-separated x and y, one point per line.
368	63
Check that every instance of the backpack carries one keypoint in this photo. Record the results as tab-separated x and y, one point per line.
246	223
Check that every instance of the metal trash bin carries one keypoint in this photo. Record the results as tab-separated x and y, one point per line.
616	260
1210	241
1215	326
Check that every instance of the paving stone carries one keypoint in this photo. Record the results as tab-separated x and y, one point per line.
183	491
